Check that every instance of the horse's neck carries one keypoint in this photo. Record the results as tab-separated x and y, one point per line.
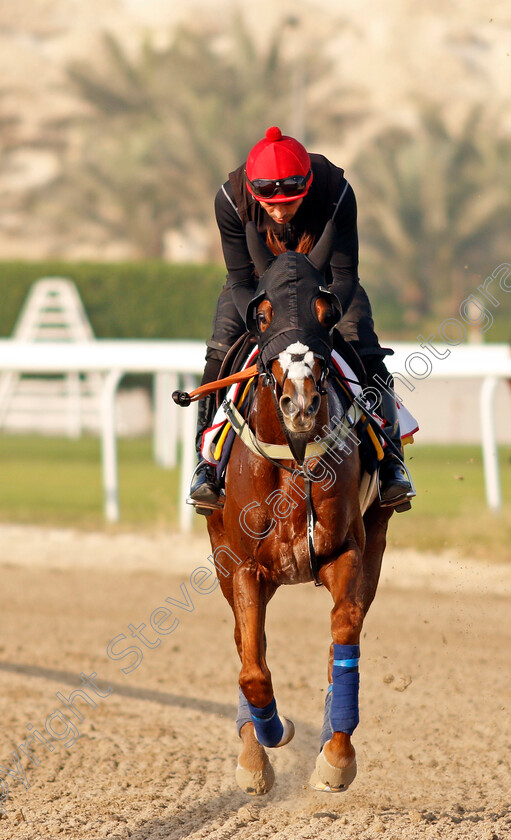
265	421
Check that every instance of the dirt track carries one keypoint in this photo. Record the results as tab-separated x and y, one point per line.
156	758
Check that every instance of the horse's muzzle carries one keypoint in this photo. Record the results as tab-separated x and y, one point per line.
299	411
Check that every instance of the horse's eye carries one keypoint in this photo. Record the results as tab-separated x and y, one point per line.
261	319
330	318
325	313
327	317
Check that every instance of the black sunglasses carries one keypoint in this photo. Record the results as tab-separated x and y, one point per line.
264	188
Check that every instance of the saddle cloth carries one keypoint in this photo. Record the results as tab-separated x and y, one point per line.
217	440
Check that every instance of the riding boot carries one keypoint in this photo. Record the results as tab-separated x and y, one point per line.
396	489
205	488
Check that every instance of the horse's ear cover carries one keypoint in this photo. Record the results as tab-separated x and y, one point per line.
291	282
322	251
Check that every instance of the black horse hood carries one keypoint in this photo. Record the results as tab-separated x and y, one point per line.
292	283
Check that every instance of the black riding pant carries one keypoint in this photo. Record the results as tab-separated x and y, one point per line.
356	326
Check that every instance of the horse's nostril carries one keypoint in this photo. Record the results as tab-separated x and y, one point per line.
287	406
314	406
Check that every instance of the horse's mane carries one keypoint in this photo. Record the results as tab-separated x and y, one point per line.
276	245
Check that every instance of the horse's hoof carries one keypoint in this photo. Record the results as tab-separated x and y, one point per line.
255	782
330	779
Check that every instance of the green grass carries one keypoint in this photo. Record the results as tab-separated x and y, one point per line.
55	481
450	509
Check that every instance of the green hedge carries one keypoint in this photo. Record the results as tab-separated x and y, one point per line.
162	300
124	300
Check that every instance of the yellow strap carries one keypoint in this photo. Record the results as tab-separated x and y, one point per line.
375	441
372	434
225	431
220	442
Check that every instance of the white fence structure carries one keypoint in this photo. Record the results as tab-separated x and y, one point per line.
53	311
169	361
182	361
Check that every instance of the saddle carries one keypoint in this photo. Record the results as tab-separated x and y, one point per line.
234	361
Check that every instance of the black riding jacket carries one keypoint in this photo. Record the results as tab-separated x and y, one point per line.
330	196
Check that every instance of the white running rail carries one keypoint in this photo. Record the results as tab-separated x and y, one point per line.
183	362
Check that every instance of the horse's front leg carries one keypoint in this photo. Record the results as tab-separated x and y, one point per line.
336	765
259	724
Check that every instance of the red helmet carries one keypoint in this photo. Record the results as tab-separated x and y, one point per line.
278	169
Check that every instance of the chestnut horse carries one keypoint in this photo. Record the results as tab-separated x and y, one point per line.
278	516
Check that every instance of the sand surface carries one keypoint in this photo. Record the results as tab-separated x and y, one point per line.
155	757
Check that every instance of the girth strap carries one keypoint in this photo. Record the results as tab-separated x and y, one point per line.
311	524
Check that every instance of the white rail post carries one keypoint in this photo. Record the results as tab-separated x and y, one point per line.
188	429
109	446
489	439
165	420
74	407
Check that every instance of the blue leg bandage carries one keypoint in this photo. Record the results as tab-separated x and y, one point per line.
345	682
267	724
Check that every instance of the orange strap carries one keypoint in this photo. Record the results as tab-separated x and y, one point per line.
211	387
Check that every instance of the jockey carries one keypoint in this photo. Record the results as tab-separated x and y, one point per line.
290	195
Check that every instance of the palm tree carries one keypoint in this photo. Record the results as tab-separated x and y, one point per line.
433	207
9	140
163	130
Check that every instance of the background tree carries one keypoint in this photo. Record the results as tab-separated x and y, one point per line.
434	206
163	129
9	139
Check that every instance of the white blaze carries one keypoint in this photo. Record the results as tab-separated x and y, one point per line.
302	367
